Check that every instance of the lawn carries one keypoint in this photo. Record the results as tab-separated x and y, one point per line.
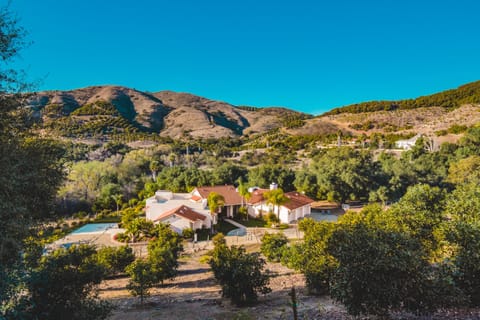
251	222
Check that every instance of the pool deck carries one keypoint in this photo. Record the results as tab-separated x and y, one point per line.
99	239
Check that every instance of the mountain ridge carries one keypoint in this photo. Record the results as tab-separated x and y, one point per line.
167	113
99	111
468	93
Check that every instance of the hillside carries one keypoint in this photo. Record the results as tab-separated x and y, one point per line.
454	98
432	121
108	110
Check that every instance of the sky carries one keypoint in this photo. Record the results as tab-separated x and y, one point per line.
308	55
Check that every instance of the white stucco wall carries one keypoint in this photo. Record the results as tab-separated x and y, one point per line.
286	215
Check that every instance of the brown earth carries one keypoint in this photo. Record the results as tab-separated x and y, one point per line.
177	114
194	294
170	113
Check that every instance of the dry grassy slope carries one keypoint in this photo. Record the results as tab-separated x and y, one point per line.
136	106
174	114
170	113
422	120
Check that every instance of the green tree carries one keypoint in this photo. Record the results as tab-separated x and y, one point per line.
276	198
263	175
154	166
141	278
420	212
465	170
228	173
115	260
31	170
163	252
344	174
240	274
463	233
381	268
311	257
215	203
273	245
63	286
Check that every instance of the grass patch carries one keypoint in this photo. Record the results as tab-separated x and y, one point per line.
224	227
111	219
251	222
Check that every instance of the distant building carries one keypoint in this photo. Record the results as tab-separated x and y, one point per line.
407	144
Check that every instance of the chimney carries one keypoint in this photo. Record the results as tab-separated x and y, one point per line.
273	186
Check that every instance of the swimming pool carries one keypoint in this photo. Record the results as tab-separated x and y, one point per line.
237	232
94	228
321	216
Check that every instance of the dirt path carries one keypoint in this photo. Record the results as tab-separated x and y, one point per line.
194	294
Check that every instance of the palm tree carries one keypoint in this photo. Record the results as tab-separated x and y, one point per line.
154	166
244	193
215	203
275	197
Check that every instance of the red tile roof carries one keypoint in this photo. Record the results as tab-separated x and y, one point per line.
295	199
184	212
257	196
228	192
195	198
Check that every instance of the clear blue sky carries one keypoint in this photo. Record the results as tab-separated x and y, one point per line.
306	55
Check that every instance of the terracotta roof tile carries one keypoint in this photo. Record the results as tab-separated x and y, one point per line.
295	199
195	198
184	212
257	196
228	192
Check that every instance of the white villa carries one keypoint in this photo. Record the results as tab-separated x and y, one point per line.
190	210
407	144
179	210
298	205
233	200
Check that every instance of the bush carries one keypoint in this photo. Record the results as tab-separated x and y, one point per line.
121	237
188	233
115	260
273	246
142	278
271	219
311	257
239	273
381	270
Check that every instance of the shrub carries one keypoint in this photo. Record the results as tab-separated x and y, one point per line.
115	260
240	274
273	245
271	219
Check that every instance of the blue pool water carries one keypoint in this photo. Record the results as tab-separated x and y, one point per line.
94	227
237	232
320	216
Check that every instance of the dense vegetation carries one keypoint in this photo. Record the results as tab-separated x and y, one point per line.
454	98
415	247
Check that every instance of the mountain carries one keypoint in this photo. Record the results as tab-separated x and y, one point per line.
112	111
450	99
98	110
